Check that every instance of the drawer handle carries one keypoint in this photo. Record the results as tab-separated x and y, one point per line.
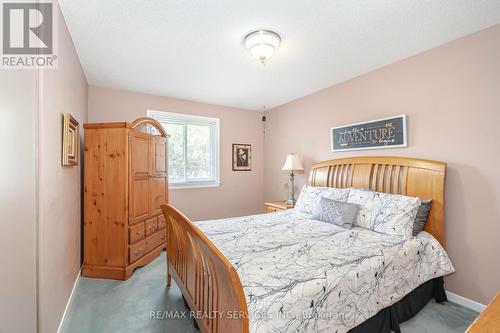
138	232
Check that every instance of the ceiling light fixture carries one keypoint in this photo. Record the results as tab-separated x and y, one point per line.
262	44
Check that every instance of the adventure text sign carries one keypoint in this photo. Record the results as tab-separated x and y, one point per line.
381	133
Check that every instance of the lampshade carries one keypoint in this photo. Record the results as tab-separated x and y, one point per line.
292	163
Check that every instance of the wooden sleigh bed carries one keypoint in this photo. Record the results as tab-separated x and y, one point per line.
210	284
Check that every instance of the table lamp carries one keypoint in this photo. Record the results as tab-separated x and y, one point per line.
292	164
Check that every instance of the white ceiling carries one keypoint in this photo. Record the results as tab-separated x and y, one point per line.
192	49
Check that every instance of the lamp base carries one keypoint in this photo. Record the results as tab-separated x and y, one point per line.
291	190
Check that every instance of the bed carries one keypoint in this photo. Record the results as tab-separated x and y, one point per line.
286	272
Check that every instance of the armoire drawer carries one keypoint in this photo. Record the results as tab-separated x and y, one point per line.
136	233
161	222
157	239
151	226
137	250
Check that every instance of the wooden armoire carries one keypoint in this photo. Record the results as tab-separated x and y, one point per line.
125	182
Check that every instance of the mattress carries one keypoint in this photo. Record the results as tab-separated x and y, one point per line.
304	275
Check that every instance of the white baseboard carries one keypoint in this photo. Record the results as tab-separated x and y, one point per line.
70	299
468	303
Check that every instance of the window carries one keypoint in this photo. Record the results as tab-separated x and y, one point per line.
193	151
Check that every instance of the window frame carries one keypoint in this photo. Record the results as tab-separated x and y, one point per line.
187	119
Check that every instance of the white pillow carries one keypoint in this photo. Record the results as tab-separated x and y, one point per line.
365	200
386	213
310	195
394	214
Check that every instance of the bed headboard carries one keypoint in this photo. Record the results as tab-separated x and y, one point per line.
398	175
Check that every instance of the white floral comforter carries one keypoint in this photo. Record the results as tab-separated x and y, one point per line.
304	275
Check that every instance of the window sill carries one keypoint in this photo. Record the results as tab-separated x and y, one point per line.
193	185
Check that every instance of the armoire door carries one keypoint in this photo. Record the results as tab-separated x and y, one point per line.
158	194
140	156
160	154
159	186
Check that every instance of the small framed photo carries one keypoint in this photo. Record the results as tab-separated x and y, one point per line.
242	157
71	141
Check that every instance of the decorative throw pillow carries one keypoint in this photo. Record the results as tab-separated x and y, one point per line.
364	199
422	215
335	212
310	195
394	214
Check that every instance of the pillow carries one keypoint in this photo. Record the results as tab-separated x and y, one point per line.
310	195
337	194
422	215
384	212
394	214
335	212
364	199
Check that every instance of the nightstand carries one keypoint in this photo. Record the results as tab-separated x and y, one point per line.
276	206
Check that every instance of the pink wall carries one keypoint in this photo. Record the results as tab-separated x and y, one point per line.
18	133
61	90
451	95
240	193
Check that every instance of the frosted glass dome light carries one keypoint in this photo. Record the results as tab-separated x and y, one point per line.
262	44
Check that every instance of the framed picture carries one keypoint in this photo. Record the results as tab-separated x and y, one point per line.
242	157
71	141
376	134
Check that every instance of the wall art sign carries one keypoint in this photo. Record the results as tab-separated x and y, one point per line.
376	134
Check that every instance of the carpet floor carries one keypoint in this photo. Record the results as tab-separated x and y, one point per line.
139	305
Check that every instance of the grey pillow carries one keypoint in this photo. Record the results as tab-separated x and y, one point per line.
422	215
335	212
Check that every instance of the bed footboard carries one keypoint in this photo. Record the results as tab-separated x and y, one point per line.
208	281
